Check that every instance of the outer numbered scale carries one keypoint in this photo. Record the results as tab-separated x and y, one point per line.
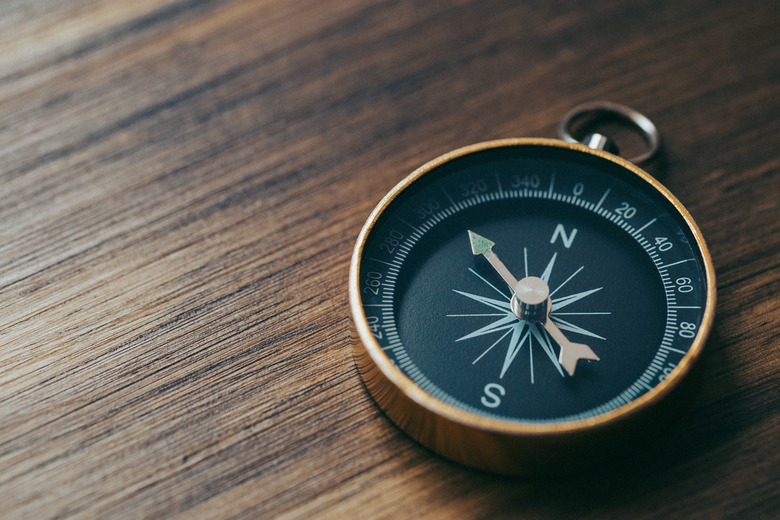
524	305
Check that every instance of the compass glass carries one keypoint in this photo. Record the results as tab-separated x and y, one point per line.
623	275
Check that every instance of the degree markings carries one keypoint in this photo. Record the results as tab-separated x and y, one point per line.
382	262
414	228
552	184
603	197
675	263
446	194
646	225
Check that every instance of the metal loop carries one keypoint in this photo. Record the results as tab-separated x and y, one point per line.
601	109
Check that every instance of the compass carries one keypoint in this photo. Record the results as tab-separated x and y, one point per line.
525	305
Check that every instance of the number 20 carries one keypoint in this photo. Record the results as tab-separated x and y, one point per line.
625	210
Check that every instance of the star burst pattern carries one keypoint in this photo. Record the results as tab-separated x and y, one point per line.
516	333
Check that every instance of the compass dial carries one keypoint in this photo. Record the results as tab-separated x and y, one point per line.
527	287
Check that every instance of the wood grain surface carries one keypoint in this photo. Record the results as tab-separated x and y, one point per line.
181	183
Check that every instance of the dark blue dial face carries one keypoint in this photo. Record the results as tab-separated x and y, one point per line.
623	274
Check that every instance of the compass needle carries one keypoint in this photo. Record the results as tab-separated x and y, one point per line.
531	303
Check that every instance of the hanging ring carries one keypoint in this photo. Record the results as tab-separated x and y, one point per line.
604	109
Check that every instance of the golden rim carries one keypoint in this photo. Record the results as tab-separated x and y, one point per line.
449	412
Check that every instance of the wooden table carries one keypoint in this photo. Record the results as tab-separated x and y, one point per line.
181	182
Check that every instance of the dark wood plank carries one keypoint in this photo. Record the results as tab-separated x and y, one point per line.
181	183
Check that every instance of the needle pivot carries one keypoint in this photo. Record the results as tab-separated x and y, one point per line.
529	302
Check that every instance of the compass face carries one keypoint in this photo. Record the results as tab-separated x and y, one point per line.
531	281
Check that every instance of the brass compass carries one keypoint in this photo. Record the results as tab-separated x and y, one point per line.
522	305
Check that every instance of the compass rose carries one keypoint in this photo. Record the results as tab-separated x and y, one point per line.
524	322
